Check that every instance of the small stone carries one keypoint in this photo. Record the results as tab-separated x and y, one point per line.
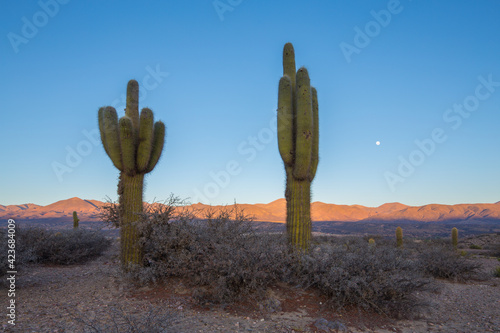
325	325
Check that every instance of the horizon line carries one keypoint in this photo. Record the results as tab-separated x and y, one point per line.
188	203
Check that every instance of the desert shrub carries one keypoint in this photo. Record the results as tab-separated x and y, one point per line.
373	278
225	260
62	247
496	272
68	247
494	250
441	262
222	255
475	247
37	245
109	213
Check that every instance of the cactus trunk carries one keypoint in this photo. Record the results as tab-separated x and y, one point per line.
298	212
130	194
298	137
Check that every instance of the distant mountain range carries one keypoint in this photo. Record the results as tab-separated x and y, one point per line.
276	211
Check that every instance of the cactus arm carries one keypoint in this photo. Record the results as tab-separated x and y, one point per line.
108	124
289	63
100	117
304	124
285	120
158	142
128	146
132	108
145	139
315	139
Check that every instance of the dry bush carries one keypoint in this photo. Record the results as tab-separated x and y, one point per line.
350	272
72	246
444	263
37	245
109	213
222	255
64	247
226	260
493	249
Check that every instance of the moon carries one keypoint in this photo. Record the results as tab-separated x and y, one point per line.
377	143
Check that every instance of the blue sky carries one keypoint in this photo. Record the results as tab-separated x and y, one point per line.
421	77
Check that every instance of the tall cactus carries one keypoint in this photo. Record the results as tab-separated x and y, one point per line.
399	237
75	220
134	144
454	238
298	137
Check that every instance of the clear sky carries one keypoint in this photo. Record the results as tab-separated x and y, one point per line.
421	77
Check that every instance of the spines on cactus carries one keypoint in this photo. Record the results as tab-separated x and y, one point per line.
298	139
134	144
454	238
75	220
399	237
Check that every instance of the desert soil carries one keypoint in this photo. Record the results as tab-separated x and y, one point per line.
58	299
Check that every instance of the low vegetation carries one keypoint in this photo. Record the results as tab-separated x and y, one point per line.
64	247
442	262
224	259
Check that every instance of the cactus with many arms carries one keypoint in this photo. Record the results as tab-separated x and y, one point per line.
454	238
298	139
75	220
134	144
399	237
